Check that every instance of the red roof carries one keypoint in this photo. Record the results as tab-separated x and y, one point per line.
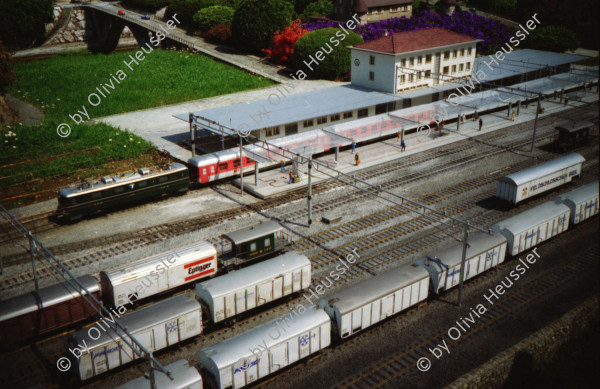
403	42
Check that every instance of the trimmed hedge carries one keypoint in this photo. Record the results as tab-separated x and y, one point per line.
207	18
146	5
255	22
22	22
329	40
185	10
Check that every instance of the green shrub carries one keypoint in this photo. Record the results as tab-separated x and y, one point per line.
185	10
219	33
336	64
255	22
317	8
22	22
552	38
146	5
207	18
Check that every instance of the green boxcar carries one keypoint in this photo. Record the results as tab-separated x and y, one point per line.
255	241
110	192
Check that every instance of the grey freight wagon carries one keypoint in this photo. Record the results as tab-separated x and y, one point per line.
582	201
184	377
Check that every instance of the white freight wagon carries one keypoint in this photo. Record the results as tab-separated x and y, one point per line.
534	226
233	293
582	201
366	303
157	326
158	273
184	377
538	179
245	358
483	252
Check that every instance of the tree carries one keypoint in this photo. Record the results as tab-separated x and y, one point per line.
283	43
332	43
209	17
255	22
22	23
552	38
318	8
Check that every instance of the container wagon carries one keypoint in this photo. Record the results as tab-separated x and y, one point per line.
157	326
45	309
582	201
367	303
484	251
245	358
237	292
530	182
534	226
158	273
185	376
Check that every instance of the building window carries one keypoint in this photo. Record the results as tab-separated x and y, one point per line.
461	68
404	8
335	118
272	131
347	115
462	52
468	66
454	54
410	77
403	79
453	68
419	59
446	69
291	129
468	51
411	61
322	120
446	55
363	113
371	60
428	58
371	76
428	74
380	108
308	123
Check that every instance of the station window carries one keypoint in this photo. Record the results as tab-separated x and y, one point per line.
371	76
308	123
403	62
468	67
453	68
363	113
411	61
335	118
403	79
371	60
446	69
469	51
272	131
427	73
322	120
454	53
462	52
446	54
428	58
410	77
347	115
223	166
419	59
461	67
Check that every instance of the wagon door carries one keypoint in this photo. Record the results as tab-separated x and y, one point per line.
387	306
278	356
277	287
265	292
172	332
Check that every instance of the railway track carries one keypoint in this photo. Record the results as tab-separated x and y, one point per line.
150	235
420	243
41	223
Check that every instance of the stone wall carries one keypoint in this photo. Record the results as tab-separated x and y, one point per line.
541	345
76	29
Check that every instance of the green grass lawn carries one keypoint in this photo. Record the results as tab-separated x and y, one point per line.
61	85
35	161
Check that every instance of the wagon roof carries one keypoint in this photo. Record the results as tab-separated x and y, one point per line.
543	169
254	274
532	217
234	349
479	242
183	372
141	319
573	127
51	295
581	194
253	232
381	285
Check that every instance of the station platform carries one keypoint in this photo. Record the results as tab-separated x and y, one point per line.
276	182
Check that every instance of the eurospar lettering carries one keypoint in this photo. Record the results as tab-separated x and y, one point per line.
464	324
